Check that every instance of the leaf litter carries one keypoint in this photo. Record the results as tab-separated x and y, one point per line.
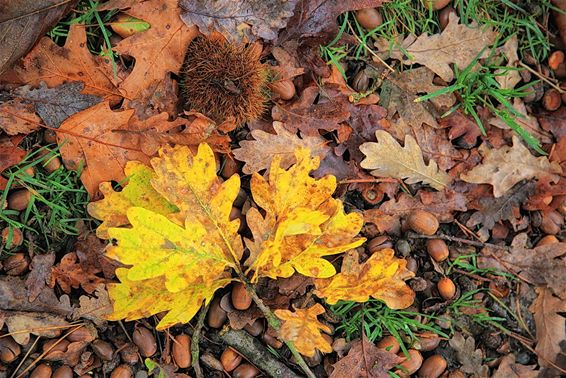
310	209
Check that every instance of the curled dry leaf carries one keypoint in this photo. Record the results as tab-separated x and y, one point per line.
388	159
459	44
95	308
303	329
382	277
302	222
259	153
505	166
508	77
69	273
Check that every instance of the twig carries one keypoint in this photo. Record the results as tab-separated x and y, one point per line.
543	78
255	351
370	50
414	235
274	322
195	342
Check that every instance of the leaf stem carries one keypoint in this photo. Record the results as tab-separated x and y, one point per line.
274	322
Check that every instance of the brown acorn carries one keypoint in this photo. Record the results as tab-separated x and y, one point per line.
64	372
145	341
103	349
433	367
284	89
369	18
222	79
16	264
19	199
422	222
182	350
245	371
444	16
446	288
437	249
411	364
9	349
216	316
121	371
41	371
547	240
230	359
13	235
241	300
389	343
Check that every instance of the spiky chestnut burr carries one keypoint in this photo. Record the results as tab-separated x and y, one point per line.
224	80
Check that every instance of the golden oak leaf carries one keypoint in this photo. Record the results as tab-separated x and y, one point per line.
56	65
381	277
388	159
303	329
137	192
258	153
179	259
505	166
302	222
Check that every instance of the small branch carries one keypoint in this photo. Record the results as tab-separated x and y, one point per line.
543	78
254	351
274	322
195	342
458	240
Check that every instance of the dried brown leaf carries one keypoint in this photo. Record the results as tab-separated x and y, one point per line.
17	117
508	368
22	324
526	121
39	272
441	204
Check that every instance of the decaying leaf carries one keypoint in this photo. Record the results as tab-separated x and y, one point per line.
388	159
550	329
302	222
508	368
22	324
14	296
18	117
505	166
304	329
365	360
69	273
459	44
509	76
467	354
10	154
259	153
381	277
526	121
40	269
234	18
95	307
441	204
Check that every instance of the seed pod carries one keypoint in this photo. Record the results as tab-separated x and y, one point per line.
63	372
245	371
555	59
182	351
436	4
121	371
547	240
241	300
437	249
145	341
551	100
9	349
422	222
389	343
444	16
369	18
19	199
433	367
16	264
446	288
129	354
41	371
230	359
103	349
216	316
360	82
285	89
411	363
427	341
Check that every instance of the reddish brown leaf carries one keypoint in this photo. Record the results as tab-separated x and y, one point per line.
10	154
14	296
442	204
40	268
508	368
69	273
17	117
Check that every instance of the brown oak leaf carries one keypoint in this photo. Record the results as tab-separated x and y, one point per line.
10	154
40	268
441	204
17	117
508	368
69	273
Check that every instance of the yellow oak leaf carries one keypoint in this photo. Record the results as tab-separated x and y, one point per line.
137	192
303	329
381	277
178	259
302	222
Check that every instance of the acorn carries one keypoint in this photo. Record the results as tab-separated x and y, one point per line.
422	222
211	361
271	341
256	328
411	364
369	18
433	367
9	349
102	349
129	353
245	371
182	350
49	136
444	16
427	341
12	237
446	288
54	346
41	371
224	80
552	222
16	264
379	243
436	4
230	359
389	343
216	316
555	59
230	168
145	341
284	89
360	83
121	371
241	299
437	249
64	372
19	199
547	240
551	100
